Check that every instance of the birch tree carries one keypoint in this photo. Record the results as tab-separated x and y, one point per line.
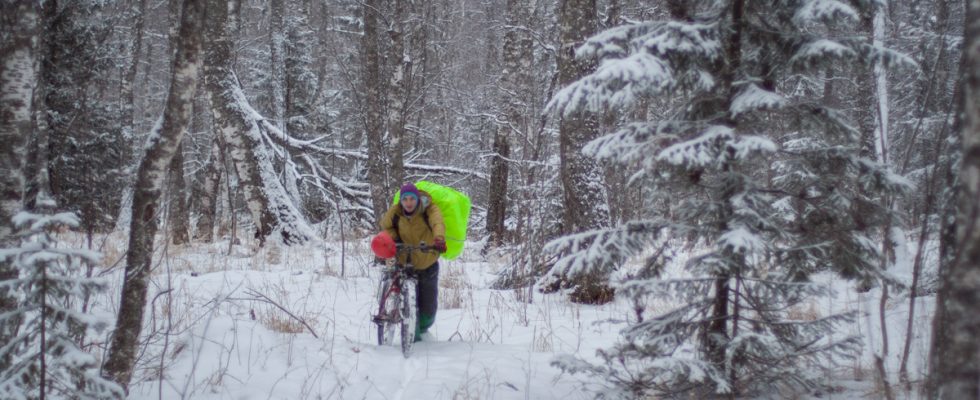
150	179
17	80
243	132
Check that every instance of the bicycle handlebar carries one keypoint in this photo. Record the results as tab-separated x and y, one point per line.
421	247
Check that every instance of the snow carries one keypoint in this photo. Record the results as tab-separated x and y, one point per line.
741	240
755	98
820	49
717	144
616	82
488	344
824	10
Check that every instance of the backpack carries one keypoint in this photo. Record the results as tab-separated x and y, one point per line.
455	208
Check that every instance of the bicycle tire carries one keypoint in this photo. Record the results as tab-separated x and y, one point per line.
409	319
388	307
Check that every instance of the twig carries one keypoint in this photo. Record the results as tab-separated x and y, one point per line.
256	296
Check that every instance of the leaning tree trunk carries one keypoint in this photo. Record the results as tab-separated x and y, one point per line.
150	179
16	84
959	367
267	201
581	178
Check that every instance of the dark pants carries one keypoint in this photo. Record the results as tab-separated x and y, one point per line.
427	296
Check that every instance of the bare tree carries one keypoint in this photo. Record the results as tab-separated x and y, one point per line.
209	191
399	89
514	82
377	165
136	12
241	130
178	214
150	179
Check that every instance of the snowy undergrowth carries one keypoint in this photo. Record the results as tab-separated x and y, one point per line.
211	319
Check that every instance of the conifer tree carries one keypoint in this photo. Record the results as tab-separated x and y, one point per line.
766	183
46	360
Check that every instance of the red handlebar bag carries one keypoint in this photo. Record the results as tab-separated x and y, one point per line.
383	245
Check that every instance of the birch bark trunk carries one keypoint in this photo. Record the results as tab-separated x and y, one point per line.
268	203
151	174
17	81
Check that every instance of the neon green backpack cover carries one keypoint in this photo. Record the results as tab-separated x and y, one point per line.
455	207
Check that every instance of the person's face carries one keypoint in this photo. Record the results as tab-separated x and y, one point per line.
409	203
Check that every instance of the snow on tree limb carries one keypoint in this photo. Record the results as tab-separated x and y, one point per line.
715	146
754	98
824	11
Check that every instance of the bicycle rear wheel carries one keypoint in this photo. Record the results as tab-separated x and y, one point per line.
409	318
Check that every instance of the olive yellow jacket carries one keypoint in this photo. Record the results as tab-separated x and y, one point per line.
412	229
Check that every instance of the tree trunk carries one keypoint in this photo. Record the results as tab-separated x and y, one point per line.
959	367
210	190
137	9
377	164
146	197
36	170
277	59
399	88
17	79
267	201
178	215
513	82
581	178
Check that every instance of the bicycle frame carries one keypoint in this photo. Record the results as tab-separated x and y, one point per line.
396	300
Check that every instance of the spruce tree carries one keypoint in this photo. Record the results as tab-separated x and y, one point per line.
46	360
766	184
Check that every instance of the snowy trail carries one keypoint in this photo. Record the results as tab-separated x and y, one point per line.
487	344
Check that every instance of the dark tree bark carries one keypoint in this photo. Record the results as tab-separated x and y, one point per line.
584	199
150	179
957	371
277	61
377	165
178	215
514	81
210	189
137	9
17	78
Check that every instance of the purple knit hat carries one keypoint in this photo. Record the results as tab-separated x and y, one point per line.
409	188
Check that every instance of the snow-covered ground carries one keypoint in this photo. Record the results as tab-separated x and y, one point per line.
221	342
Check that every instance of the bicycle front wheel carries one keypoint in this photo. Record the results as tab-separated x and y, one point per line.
409	318
389	308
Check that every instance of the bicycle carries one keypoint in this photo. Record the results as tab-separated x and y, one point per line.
396	300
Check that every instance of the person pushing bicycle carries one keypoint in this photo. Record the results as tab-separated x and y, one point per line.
415	220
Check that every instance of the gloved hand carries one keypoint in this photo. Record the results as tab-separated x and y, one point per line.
439	243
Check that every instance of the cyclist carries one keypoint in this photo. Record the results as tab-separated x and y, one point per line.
413	220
